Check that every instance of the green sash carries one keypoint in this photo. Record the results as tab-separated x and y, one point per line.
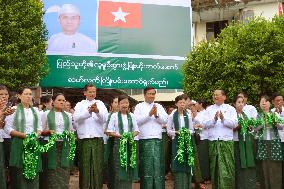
124	173
246	148
66	146
176	123
120	123
16	154
176	166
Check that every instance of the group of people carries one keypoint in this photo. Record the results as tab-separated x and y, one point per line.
233	146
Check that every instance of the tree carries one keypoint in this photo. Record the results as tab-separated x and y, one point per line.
245	57
22	43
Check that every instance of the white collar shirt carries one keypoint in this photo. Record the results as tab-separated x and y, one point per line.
29	125
220	129
171	127
280	132
89	125
114	127
250	111
59	122
150	127
199	119
71	44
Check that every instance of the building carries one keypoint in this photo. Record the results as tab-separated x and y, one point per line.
209	17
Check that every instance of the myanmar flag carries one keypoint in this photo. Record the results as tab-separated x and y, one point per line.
146	27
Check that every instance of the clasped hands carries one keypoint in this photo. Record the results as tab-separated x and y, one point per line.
153	111
94	108
218	115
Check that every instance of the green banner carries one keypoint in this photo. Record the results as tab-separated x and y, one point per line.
74	71
117	44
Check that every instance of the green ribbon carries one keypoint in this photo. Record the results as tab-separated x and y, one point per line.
32	150
185	147
66	146
245	147
126	141
31	155
268	120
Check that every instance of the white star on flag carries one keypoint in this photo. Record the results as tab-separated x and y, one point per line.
120	15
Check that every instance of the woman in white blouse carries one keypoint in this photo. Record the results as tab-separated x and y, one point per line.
24	121
178	120
269	150
120	123
57	121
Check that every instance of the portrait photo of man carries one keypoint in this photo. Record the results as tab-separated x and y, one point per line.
69	40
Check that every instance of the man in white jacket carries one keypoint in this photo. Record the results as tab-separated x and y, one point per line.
89	116
221	119
150	118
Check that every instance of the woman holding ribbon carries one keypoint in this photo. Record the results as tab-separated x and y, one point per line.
19	125
180	128
123	127
245	168
269	150
57	121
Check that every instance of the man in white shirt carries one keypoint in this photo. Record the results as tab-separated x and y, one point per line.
69	41
278	103
150	118
221	119
89	116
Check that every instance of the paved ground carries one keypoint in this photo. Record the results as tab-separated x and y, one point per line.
74	184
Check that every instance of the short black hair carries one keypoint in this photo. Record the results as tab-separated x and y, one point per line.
3	87
148	88
222	92
185	96
89	85
203	103
266	97
21	90
236	98
276	94
45	99
181	97
243	93
56	95
122	97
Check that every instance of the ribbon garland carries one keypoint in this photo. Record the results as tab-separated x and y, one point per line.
246	124
32	150
127	137
272	119
265	118
185	147
31	154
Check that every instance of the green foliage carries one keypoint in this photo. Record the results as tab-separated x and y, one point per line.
22	43
245	57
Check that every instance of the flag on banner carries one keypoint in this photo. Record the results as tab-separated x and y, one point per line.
144	28
122	15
